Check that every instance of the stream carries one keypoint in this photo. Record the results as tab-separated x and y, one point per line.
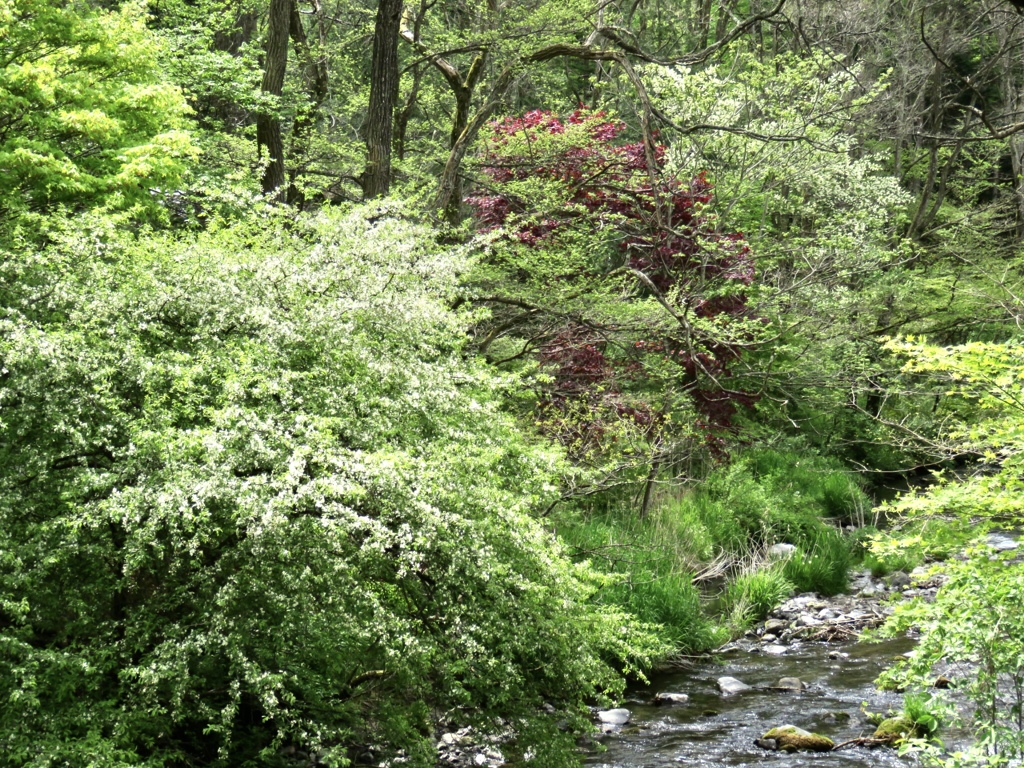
714	729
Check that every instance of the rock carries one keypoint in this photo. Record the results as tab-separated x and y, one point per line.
774	625
614	716
899	580
768	637
770	744
730	685
790	684
670	698
894	729
793	739
781	551
806	620
836	717
775	650
1001	542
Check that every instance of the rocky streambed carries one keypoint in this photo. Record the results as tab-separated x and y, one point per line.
801	667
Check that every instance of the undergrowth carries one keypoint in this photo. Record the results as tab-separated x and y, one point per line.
721	529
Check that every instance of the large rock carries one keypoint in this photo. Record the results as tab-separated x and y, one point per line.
730	685
789	738
790	684
611	719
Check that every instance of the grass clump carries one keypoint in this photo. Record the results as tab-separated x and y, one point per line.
823	568
752	595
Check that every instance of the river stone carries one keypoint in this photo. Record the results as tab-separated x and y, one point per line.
614	716
793	739
899	580
670	698
770	744
895	728
790	684
781	551
768	637
775	650
730	685
806	620
1001	543
774	625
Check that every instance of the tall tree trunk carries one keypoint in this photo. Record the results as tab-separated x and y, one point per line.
313	65
383	97
268	125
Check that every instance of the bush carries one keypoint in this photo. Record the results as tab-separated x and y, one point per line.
651	561
255	496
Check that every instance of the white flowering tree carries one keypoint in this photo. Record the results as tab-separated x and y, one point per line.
255	502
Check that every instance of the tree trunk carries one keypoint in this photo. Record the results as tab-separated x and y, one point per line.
268	125
383	97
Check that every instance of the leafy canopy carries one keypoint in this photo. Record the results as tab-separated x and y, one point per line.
85	114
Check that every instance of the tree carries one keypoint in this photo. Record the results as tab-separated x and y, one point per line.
86	117
383	96
256	498
268	121
613	275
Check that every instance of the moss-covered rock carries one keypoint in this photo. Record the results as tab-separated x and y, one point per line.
893	729
792	739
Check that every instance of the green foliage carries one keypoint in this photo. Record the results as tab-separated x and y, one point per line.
975	620
751	596
653	560
823	567
772	496
85	114
924	712
255	496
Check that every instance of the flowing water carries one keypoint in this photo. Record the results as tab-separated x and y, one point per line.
713	729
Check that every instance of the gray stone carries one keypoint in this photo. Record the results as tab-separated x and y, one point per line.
781	551
670	698
806	620
774	625
775	650
768	637
790	684
1001	542
614	716
730	685
899	580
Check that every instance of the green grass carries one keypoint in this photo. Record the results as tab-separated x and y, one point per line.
761	498
752	595
824	567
